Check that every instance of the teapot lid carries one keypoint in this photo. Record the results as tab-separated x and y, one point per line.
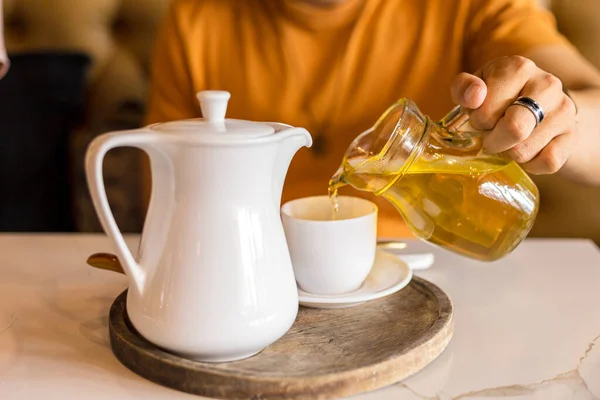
213	125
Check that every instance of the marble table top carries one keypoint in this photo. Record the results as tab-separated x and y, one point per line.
526	327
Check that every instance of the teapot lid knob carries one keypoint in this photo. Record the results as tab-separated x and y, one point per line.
213	104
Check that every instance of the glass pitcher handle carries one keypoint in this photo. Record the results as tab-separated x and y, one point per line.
451	133
455	119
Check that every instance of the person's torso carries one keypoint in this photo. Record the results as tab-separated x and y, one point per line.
331	71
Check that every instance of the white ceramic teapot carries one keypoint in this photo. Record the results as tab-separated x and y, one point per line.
213	280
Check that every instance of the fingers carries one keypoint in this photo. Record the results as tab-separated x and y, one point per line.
518	123
553	156
468	91
527	148
513	129
505	79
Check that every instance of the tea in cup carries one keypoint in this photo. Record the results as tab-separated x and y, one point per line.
332	251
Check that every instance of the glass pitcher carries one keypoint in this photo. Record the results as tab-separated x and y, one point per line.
447	189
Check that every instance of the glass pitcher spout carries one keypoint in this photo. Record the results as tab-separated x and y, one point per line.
447	189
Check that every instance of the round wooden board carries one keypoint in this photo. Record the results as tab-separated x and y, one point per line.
326	354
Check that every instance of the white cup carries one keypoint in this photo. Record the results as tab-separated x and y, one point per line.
330	256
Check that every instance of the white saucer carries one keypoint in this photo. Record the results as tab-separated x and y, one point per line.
389	275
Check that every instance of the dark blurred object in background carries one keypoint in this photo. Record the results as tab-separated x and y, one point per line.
41	103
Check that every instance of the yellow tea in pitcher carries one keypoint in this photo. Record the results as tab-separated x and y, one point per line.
476	207
447	189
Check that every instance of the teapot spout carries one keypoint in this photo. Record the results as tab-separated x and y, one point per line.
290	141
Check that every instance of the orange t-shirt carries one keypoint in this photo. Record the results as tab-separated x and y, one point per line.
332	69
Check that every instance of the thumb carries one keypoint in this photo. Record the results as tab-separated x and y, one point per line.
468	91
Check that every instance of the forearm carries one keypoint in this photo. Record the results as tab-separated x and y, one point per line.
584	164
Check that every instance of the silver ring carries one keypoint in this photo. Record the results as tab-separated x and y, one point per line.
532	106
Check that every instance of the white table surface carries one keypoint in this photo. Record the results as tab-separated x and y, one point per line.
526	327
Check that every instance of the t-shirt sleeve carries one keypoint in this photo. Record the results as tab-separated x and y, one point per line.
497	28
171	94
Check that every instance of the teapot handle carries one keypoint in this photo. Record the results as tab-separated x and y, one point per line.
97	149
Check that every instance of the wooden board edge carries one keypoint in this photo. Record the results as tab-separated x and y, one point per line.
136	355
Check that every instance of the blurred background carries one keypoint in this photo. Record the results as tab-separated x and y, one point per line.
79	68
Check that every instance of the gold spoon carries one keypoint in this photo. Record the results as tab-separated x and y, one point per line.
110	262
106	261
391	245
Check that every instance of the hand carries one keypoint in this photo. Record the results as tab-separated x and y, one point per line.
511	129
